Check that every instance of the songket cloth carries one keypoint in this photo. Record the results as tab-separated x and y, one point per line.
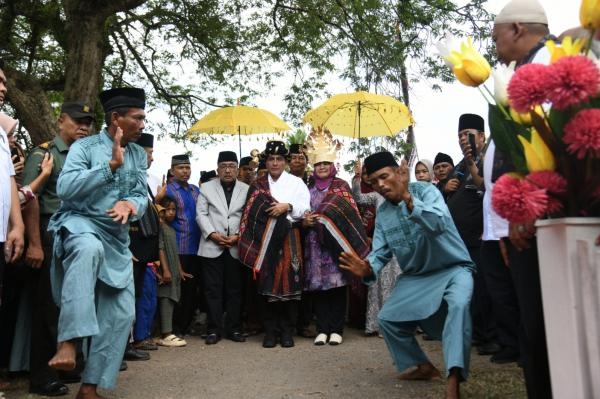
272	247
91	272
339	229
435	288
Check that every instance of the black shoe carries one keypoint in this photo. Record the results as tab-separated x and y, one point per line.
506	355
52	388
212	339
236	336
145	345
133	354
489	348
269	341
123	366
287	341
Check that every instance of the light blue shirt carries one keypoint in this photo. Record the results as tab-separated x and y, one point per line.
428	248
88	188
424	240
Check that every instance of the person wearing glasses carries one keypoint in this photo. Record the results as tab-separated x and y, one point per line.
218	213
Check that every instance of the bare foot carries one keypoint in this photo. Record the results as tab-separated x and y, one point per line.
88	391
453	384
423	372
64	358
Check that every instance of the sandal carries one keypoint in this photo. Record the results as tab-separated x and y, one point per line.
171	340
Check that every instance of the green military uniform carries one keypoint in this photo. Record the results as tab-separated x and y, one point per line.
44	312
49	201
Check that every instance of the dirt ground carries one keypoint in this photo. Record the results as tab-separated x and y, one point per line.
359	368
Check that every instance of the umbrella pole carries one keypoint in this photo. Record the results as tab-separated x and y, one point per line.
359	122
240	140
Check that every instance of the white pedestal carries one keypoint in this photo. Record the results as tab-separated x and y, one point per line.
570	279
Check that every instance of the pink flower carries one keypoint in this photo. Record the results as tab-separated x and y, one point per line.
575	79
518	200
582	133
555	186
551	181
528	87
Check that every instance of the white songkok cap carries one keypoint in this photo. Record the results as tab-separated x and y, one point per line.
522	11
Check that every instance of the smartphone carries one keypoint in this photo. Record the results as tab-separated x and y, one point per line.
13	152
473	146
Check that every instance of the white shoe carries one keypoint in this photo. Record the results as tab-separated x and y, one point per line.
171	340
321	339
335	339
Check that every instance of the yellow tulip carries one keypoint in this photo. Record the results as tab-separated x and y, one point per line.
525	119
468	65
589	14
537	154
567	47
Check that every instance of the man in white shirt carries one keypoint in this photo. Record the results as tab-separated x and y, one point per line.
12	229
270	243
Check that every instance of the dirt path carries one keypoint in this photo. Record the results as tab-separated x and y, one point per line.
359	368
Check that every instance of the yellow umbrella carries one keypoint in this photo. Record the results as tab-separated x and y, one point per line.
361	114
239	119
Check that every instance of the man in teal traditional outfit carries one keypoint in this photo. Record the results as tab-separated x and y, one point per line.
435	289
102	186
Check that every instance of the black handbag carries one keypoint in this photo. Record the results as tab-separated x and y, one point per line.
149	222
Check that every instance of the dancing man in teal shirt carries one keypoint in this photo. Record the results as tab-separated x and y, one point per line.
102	187
434	290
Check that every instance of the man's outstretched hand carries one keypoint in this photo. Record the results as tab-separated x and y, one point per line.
121	211
355	265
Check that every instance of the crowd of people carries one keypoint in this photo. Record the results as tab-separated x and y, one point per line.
118	262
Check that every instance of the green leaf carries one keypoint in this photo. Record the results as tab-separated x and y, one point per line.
504	132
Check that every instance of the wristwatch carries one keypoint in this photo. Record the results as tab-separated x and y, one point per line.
291	208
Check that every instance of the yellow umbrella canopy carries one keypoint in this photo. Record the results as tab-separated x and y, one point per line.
240	120
361	114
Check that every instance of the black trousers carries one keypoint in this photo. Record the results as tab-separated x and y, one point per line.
223	279
191	291
484	323
279	317
505	305
44	318
2	266
525	270
305	311
330	308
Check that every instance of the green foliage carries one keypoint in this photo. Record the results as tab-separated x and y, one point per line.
366	146
298	137
192	55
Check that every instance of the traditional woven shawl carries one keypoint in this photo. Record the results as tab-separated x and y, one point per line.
344	230
270	246
261	236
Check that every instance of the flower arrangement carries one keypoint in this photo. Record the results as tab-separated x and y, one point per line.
547	118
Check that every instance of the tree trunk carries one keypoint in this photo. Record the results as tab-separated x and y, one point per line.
85	57
410	136
34	111
86	52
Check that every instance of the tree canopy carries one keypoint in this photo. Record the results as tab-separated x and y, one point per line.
192	54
